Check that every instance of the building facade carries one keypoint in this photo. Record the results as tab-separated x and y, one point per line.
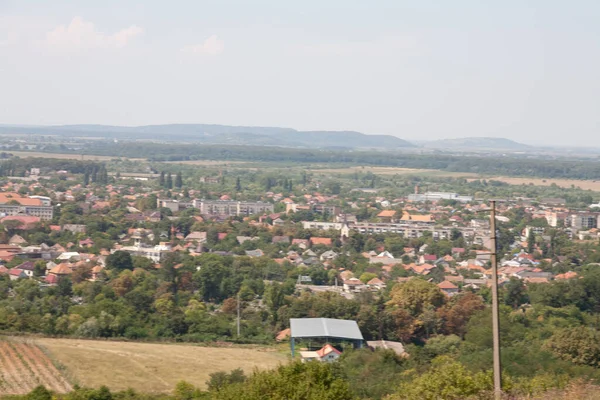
232	208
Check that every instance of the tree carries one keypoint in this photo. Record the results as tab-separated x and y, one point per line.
169	182
515	293
580	345
530	241
312	380
446	380
178	180
184	391
219	380
161	180
458	311
416	295
119	260
367	276
39	393
238	185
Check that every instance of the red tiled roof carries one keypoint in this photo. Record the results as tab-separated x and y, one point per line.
447	285
319	240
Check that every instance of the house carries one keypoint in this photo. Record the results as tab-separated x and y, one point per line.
327	353
15	273
198	237
320	241
86	243
255	253
301	243
278	222
281	239
353	285
328	255
458	251
97	272
61	269
17	240
413	218
454	278
242	239
448	288
3	270
376	283
566	275
67	255
427	259
28	268
51	280
387	215
75	228
153	216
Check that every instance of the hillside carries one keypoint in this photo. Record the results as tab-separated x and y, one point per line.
481	143
220	134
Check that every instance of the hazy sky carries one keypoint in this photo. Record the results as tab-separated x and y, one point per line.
525	70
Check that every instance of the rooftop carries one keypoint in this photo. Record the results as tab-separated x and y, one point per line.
325	327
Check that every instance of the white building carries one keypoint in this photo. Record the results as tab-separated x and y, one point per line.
435	196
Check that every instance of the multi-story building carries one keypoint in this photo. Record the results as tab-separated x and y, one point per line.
322	225
15	204
154	253
174	205
232	208
582	220
435	196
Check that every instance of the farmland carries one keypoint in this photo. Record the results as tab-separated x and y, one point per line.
23	366
149	367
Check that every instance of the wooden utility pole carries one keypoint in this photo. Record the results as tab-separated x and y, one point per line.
238	315
495	311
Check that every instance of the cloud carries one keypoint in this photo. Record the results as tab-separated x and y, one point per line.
81	34
212	46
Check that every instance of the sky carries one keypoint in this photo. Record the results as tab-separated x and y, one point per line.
420	70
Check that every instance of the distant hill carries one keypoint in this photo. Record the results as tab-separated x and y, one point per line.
221	134
472	143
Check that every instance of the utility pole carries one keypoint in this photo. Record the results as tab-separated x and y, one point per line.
495	311
238	315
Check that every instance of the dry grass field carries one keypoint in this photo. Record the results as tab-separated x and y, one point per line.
566	183
148	367
23	366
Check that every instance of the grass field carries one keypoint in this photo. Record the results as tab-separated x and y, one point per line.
23	366
393	171
65	156
148	367
210	163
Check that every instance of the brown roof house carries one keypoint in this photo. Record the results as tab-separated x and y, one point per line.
387	215
448	288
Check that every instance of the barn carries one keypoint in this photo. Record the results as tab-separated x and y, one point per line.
325	330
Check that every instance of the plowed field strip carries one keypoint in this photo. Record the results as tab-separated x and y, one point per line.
6	379
16	370
52	368
38	365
